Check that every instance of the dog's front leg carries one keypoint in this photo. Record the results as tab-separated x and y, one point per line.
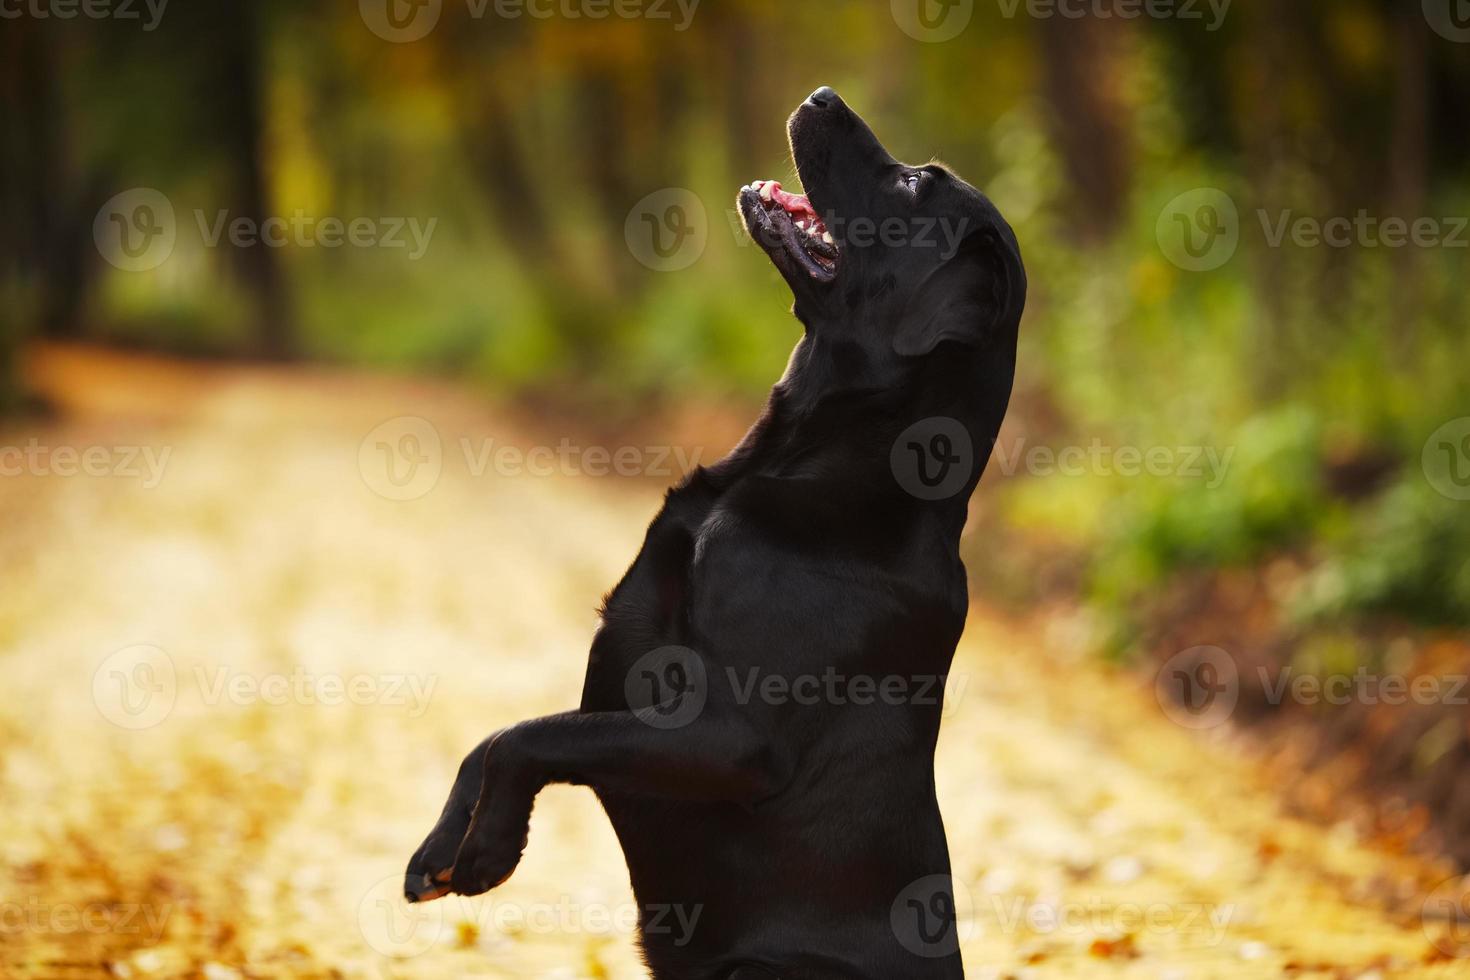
719	757
428	870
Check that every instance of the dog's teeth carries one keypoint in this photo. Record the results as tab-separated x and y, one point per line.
827	237
765	190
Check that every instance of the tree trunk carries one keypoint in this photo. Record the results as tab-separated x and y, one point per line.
242	104
1408	165
1091	124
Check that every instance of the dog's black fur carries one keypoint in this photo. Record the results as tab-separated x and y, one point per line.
794	828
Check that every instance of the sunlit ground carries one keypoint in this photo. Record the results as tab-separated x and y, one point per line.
234	701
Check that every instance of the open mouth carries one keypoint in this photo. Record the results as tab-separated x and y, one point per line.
778	218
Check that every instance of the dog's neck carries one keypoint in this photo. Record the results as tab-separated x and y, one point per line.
834	406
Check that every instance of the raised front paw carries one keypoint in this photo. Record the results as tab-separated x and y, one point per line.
427	876
486	859
428	871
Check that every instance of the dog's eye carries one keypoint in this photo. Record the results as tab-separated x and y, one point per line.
912	181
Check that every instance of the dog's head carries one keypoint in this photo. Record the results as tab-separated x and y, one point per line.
897	259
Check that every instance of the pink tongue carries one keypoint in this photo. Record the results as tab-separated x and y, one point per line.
793	203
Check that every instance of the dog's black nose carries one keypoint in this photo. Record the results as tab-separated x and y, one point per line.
822	97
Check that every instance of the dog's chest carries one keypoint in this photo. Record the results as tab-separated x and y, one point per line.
778	589
762	574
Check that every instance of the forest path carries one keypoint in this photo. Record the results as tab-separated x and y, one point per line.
239	678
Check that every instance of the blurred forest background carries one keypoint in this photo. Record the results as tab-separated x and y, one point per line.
1321	373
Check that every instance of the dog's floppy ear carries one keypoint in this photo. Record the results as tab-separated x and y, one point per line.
972	298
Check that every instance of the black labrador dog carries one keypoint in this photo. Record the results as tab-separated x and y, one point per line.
763	697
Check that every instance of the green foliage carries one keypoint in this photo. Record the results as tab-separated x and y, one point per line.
1269	498
528	141
1407	555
